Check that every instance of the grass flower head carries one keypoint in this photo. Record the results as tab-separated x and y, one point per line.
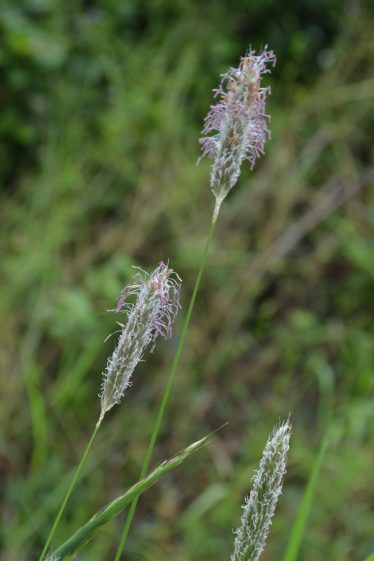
259	507
238	122
151	315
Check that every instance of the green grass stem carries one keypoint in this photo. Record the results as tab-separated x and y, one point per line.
70	490
167	390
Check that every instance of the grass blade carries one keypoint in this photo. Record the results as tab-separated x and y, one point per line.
298	529
88	530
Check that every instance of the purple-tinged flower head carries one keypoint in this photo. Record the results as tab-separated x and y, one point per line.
238	122
151	315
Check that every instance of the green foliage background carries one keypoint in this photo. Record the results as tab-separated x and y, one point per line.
101	107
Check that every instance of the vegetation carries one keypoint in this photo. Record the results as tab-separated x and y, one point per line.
101	108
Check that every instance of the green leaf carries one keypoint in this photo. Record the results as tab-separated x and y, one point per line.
88	530
370	557
298	530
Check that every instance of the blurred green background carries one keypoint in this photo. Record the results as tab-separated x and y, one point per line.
101	109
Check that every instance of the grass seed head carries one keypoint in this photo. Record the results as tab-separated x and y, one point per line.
259	507
150	316
238	122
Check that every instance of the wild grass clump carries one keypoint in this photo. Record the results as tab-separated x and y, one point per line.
241	124
102	127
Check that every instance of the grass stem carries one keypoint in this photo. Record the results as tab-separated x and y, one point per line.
70	489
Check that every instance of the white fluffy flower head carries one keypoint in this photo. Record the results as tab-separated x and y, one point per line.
259	507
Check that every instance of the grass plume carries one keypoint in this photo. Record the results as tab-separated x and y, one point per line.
259	507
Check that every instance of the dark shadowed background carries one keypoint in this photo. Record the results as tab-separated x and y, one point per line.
102	105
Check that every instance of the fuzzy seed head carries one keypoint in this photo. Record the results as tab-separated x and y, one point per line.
150	316
238	122
259	507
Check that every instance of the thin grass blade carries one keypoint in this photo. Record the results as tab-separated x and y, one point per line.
88	530
298	530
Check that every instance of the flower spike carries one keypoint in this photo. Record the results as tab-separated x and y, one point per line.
238	121
259	507
151	316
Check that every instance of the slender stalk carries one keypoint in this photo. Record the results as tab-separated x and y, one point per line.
70	489
167	390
